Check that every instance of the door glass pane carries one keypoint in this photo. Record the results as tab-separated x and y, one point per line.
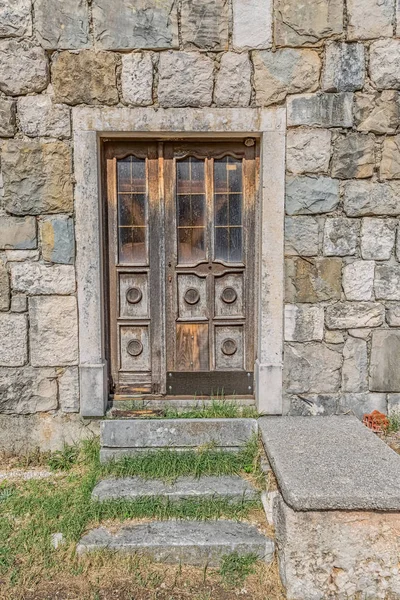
191	209
228	209
132	210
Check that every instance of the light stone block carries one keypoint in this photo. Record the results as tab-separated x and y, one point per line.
36	278
14	340
185	79
301	236
353	156
53	331
364	198
304	323
21	255
393	315
385	357
40	117
57	239
37	177
312	279
252	24
393	404
362	334
232	83
369	19
308	150
311	405
348	315
4	287
23	67
344	67
62	25
285	71
19	304
390	162
311	367
27	390
321	110
355	366
358	280
384	64
15	18
377	112
377	238
334	337
205	24
7	118
68	390
360	404
341	236
122	25
387	282
137	79
311	195
307	22
17	233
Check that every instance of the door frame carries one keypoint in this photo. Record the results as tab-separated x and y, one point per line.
90	126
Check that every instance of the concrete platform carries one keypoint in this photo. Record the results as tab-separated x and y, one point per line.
230	487
188	542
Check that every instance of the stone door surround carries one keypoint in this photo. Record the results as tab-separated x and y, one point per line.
92	124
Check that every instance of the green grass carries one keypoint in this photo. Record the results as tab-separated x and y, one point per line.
235	568
394	423
216	409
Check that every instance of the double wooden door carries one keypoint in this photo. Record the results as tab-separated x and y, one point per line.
181	267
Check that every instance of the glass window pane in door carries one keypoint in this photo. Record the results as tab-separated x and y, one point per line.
191	209
228	209
132	210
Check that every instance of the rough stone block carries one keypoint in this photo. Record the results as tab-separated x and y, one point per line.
377	112
21	255
384	64
62	25
23	67
313	280
232	84
390	162
57	238
347	315
385	359
364	198
37	177
393	402
252	24
362	404
355	366
311	367
308	150
4	287
53	331
311	405
14	340
36	278
301	236
377	238
122	25
321	110
358	280
19	303
307	22
393	315
353	156
18	233
368	19
344	67
137	79
185	79
7	118
28	390
311	195
205	24
387	282
87	77
283	72
15	18
304	323
39	117
68	390
341	236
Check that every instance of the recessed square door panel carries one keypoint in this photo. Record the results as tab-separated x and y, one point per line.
192	347
135	348
192	294
229	295
133	296
229	348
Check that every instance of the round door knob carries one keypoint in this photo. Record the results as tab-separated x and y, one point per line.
192	296
229	295
133	295
229	347
135	348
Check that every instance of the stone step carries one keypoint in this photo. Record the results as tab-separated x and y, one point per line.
197	543
122	437
231	487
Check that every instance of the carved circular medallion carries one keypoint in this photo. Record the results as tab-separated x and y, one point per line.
135	348
133	295
229	347
229	295
192	296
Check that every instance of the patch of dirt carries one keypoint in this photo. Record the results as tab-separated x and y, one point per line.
392	440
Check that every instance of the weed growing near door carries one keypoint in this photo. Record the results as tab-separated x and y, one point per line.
215	409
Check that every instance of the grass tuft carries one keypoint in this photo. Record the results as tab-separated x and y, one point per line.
218	408
394	423
235	567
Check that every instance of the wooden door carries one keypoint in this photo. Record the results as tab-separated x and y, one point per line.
181	267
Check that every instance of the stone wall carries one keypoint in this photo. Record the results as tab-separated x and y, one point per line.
334	63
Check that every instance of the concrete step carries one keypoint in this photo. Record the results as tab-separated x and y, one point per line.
122	437
231	487
197	543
